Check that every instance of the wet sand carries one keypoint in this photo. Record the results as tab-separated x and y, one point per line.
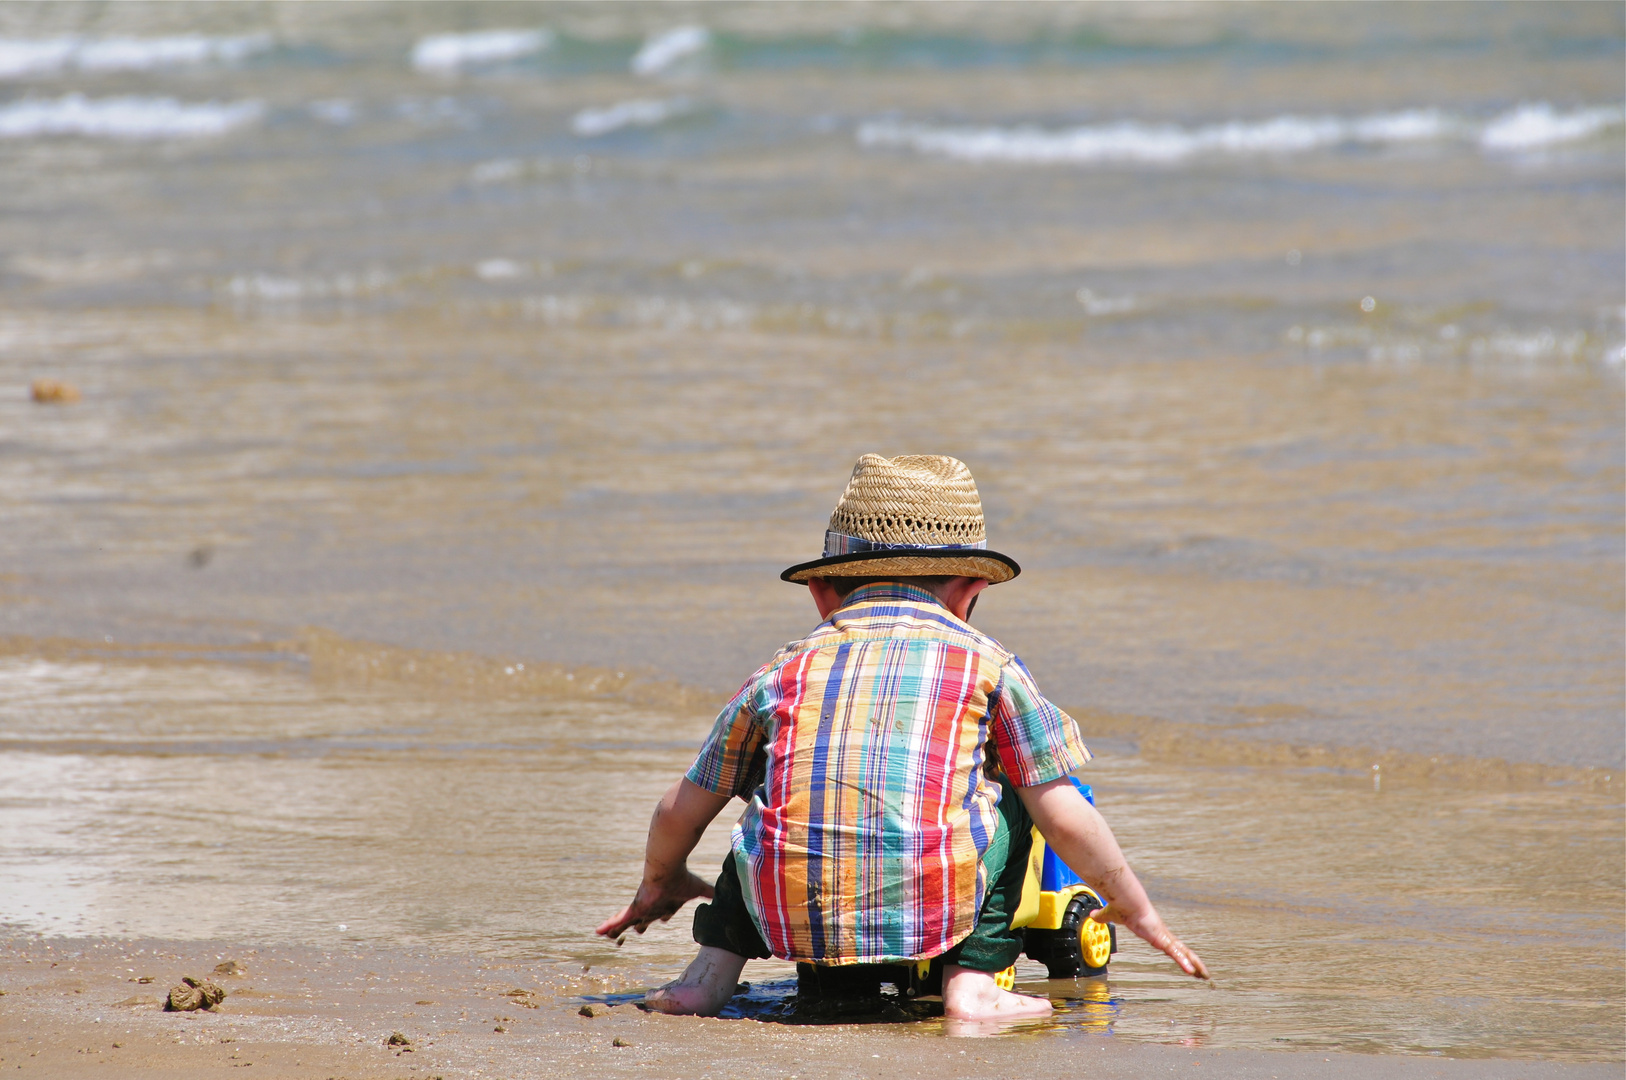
73	1008
352	797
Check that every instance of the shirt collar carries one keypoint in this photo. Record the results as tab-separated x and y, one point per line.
891	590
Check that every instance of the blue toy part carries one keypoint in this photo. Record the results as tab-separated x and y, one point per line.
1056	875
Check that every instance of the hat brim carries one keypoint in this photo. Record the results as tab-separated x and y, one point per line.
925	562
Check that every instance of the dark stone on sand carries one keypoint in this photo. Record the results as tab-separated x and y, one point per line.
397	1039
230	967
192	995
619	1041
589	1011
499	1029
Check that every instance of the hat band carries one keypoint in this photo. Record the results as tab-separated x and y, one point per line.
841	544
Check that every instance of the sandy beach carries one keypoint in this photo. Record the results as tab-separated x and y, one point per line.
77	1008
406	412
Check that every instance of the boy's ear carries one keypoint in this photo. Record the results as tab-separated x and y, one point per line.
960	595
825	597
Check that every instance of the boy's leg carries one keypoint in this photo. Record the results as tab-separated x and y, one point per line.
727	937
969	991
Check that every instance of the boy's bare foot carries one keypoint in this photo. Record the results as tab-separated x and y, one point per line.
973	995
704	987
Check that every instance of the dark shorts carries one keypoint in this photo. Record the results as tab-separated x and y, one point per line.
992	945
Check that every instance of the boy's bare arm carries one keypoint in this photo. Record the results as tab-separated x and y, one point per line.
680	818
1081	837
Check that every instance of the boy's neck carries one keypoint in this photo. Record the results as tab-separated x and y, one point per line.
958	595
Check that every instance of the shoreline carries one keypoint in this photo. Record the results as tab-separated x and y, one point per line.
73	1006
330	659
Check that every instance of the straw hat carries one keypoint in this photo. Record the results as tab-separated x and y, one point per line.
913	516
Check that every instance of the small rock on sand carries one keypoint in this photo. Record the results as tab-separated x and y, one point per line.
397	1039
230	967
52	392
590	1011
193	994
619	1041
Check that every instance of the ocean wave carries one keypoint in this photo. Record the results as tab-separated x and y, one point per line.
1503	347
123	117
662	51
277	289
445	54
1132	141
640	112
1531	127
24	57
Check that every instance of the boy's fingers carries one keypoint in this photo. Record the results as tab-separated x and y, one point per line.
644	911
1181	954
1189	961
616	925
1159	936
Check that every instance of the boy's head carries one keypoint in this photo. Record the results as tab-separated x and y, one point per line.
914	518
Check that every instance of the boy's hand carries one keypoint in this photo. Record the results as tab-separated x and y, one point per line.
656	900
681	816
1149	927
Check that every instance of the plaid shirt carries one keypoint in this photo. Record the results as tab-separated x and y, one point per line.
869	754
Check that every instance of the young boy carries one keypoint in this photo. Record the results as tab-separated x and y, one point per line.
893	764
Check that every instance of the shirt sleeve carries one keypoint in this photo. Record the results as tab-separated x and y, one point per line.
730	761
1036	742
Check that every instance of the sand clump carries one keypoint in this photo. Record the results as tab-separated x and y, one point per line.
53	392
192	995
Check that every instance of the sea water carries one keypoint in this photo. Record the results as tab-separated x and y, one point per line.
502	352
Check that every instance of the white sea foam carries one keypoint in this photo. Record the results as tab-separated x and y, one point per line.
24	57
499	269
1159	143
1527	127
276	289
1531	127
498	171
662	51
123	117
640	112
1103	305
337	111
446	54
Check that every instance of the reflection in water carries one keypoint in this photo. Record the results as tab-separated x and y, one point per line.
1089	1006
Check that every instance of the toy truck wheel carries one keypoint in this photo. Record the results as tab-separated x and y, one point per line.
1068	953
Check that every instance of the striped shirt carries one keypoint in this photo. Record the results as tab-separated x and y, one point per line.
869	754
